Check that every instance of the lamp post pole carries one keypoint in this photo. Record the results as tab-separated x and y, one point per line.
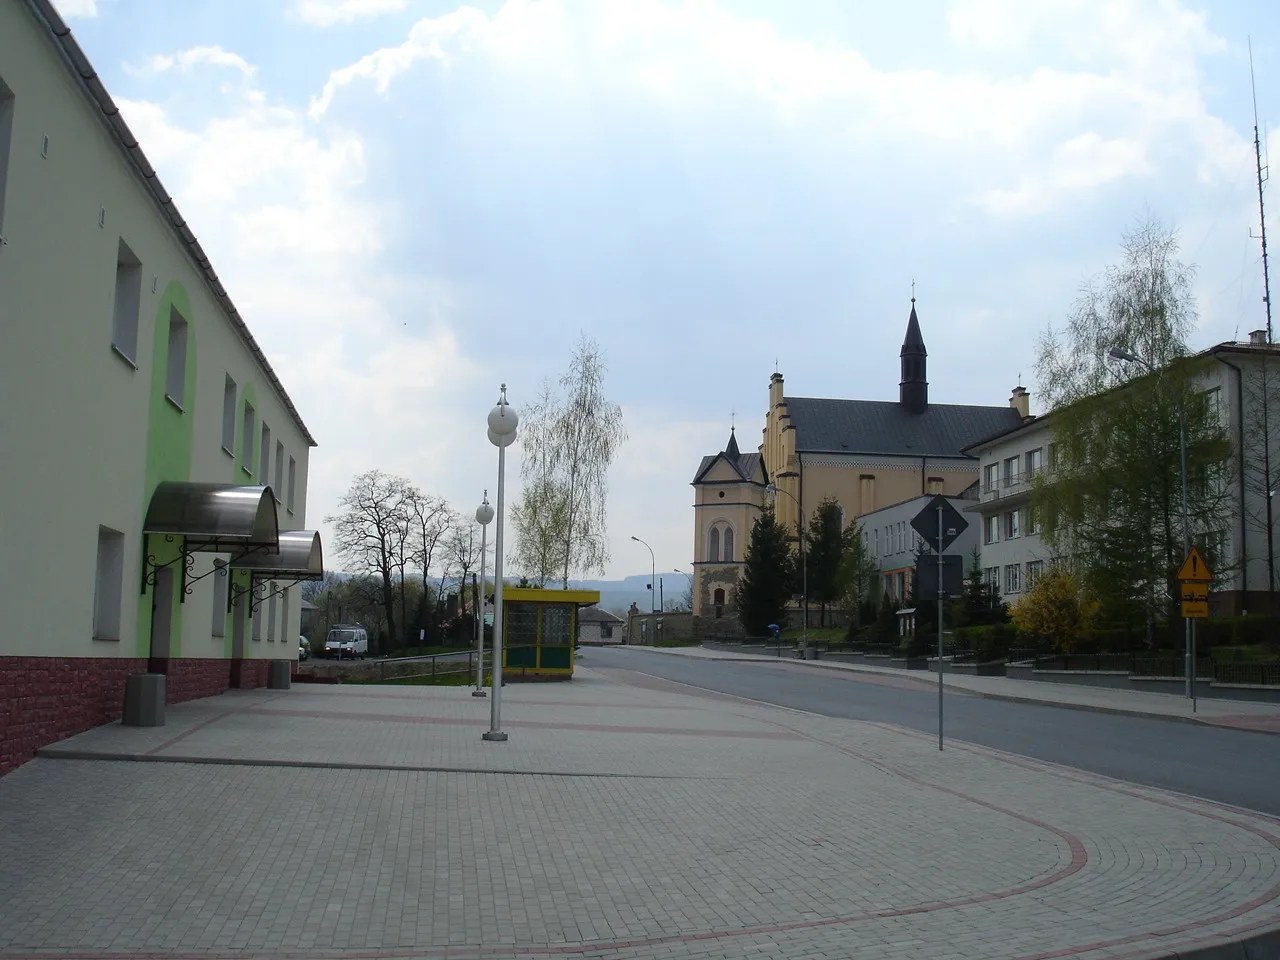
1189	668
804	563
653	576
484	514
502	433
939	624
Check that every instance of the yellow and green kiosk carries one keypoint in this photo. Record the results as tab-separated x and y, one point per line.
539	629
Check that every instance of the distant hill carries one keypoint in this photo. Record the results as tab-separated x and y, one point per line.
618	595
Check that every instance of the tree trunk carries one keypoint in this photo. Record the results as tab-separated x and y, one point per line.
389	603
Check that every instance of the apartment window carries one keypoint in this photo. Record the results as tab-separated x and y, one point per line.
992	577
935	485
229	415
1010	470
246	437
1012	523
264	456
175	384
1013	578
1213	399
124	321
990	477
293	481
220	598
1035	461
902	535
991	529
1034	569
1053	456
108	584
901	586
271	612
6	136
284	616
278	486
876	551
1035	525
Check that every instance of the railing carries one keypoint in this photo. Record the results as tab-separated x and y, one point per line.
1113	662
1173	665
1251	674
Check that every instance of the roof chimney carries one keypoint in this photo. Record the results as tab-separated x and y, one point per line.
1021	401
1258	337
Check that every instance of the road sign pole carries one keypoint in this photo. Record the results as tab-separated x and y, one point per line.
939	626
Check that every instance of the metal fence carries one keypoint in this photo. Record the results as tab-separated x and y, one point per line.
1251	674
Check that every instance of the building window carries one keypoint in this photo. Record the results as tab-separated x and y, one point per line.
264	456
220	598
991	529
1213	399
293	482
990	478
1034	569
713	545
901	586
606	631
6	137
717	598
1013	578
1053	456
271	612
902	535
1034	522
248	422
124	321
728	545
107	584
991	575
876	551
229	415
278	488
1035	461
175	384
1012	524
1010	471
935	485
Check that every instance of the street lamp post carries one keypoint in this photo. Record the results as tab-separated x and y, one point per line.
502	433
804	562
484	514
653	576
1116	353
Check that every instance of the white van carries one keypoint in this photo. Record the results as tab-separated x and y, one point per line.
346	642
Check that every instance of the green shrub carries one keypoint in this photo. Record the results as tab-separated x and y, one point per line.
1250	630
988	642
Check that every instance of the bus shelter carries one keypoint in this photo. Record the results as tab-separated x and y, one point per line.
539	631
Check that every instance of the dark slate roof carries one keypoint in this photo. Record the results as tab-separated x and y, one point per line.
913	342
745	464
732	449
885	427
596	615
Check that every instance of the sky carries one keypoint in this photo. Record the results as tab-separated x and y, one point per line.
414	201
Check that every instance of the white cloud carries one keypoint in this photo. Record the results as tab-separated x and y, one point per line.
188	60
327	13
1133	83
70	9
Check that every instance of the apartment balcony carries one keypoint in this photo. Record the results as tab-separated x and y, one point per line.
1012	487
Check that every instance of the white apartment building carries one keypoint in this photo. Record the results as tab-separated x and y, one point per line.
153	515
892	543
1014	551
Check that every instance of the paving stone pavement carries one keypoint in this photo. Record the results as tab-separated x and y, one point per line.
626	817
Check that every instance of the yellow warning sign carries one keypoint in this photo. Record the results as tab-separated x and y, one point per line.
1195	591
1194	568
1195	609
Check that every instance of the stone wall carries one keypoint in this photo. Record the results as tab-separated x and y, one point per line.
191	679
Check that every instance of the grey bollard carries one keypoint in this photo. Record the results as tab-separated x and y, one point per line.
143	700
278	675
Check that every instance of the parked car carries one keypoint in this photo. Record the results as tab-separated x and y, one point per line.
346	642
304	648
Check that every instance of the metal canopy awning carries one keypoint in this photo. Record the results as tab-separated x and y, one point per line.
215	517
300	558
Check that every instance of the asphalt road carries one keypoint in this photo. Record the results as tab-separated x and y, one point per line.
1232	766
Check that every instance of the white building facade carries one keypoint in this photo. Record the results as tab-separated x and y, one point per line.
153	463
892	543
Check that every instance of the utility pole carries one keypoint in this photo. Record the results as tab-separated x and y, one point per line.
1266	300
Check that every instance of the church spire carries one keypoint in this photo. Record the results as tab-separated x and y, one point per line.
731	451
913	390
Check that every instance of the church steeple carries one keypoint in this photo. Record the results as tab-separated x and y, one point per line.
913	390
731	451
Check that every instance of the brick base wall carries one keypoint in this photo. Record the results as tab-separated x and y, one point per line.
248	674
191	679
44	699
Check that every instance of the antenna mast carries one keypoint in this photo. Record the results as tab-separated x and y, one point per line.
1263	176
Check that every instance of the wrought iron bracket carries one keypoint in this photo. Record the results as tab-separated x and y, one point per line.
151	566
225	568
275	593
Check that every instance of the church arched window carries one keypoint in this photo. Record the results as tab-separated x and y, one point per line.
713	546
728	544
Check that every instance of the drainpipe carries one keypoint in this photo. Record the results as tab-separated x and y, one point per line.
1244	543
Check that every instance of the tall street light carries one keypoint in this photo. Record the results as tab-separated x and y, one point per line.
1116	353
484	514
502	433
653	576
804	560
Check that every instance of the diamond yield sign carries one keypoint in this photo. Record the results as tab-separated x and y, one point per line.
926	523
1194	568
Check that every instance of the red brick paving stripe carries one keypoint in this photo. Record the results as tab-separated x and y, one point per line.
527	724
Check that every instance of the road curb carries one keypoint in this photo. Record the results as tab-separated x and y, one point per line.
985	695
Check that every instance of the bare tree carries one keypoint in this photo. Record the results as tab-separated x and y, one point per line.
569	443
431	518
539	521
463	552
369	532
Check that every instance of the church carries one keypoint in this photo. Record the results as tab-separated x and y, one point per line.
867	454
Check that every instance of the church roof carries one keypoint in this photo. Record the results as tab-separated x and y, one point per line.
886	427
913	342
744	463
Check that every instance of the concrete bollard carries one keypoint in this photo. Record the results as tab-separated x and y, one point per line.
143	700
278	675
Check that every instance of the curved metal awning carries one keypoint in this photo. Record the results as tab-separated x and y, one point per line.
300	558
215	517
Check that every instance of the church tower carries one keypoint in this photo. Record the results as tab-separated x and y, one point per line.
913	390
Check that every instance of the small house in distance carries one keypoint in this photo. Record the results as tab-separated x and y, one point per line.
596	626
